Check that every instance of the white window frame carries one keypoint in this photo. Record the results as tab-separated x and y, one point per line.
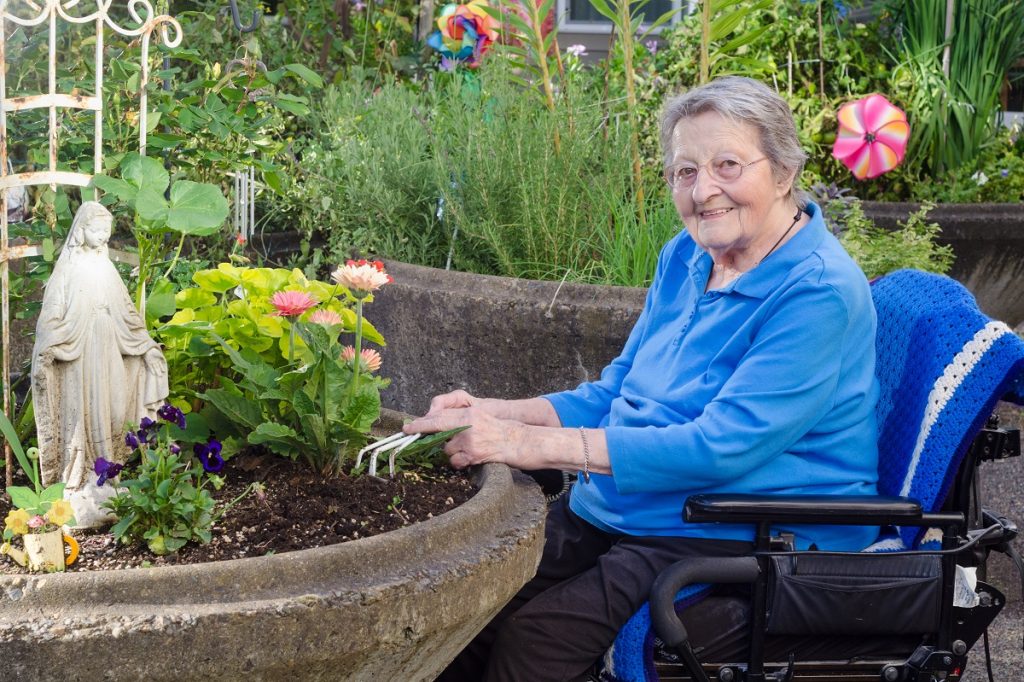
604	26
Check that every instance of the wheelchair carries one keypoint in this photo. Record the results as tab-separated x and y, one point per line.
911	607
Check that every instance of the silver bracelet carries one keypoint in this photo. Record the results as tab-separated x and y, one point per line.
586	456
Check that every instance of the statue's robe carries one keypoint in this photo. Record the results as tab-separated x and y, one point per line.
89	376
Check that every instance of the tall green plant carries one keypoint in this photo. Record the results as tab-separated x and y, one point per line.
952	115
626	17
718	20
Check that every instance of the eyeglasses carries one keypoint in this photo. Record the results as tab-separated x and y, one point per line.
722	170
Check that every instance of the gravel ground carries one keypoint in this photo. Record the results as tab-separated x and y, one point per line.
1005	643
1002	483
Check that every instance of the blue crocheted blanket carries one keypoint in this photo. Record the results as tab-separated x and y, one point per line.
942	366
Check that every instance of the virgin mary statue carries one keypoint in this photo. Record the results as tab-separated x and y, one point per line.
94	366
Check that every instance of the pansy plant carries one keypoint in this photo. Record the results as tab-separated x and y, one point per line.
163	498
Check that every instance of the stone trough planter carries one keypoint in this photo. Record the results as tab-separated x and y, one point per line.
396	606
496	337
988	240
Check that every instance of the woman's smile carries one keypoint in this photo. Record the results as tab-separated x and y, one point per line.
714	213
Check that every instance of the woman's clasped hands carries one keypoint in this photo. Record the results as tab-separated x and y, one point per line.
489	438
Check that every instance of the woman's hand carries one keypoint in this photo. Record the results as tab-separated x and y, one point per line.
531	411
488	439
452	400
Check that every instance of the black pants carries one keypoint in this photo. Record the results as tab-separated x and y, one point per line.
588	585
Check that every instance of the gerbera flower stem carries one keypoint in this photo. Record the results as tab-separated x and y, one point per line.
291	341
357	361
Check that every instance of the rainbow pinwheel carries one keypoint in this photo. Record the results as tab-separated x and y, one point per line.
465	33
872	136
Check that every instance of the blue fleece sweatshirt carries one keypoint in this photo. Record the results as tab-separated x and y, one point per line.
764	386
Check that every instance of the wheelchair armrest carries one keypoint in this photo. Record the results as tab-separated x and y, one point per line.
852	510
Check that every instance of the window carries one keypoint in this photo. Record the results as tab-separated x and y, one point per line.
579	16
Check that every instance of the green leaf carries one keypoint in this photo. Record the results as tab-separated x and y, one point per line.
277	437
251	367
244	412
160	302
197	209
306	74
121	528
11	436
659	22
196	429
274	181
194	298
24	498
293	105
313	425
48	249
151	206
431	441
744	39
605	10
52	493
364	409
145	173
119	188
217	281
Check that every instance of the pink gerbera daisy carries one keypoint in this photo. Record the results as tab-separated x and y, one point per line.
325	317
292	303
370	358
362	276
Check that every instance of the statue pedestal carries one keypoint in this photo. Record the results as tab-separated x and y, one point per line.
87	501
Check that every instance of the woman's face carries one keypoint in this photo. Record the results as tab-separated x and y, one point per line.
97	231
729	219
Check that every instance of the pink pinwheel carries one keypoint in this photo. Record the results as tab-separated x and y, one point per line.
872	136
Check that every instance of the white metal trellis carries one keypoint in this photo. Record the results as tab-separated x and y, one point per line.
27	14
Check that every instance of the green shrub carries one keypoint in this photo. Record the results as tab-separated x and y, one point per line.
879	251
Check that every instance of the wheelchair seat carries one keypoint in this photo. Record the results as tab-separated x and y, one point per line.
913	604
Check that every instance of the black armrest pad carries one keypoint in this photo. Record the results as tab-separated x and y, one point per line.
854	510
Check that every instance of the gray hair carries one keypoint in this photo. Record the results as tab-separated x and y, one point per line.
744	100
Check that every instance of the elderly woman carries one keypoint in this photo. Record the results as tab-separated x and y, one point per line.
750	369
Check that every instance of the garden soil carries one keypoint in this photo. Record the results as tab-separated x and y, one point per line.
292	508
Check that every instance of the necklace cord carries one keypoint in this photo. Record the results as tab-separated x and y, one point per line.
796	219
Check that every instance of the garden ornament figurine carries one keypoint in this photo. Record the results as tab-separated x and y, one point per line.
94	367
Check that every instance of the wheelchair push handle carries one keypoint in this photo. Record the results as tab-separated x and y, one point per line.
687	572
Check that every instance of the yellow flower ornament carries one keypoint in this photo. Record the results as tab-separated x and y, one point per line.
17	521
60	513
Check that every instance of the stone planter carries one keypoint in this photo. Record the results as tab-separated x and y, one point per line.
988	240
494	336
396	606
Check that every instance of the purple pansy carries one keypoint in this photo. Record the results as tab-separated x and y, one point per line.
174	448
172	414
147	429
131	440
106	470
209	455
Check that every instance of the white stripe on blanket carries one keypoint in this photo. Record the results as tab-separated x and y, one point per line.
945	386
